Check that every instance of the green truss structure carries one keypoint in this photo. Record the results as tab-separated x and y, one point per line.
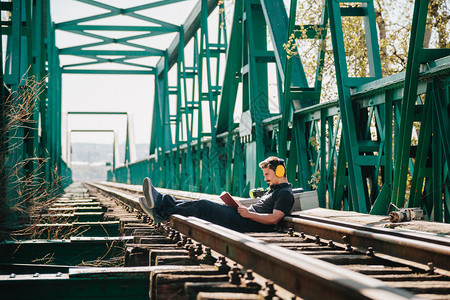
30	140
215	122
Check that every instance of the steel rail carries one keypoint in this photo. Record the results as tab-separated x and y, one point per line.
131	201
419	236
402	247
415	248
302	275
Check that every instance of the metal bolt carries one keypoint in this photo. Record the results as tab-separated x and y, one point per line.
12	275
59	274
302	235
431	268
176	236
208	258
182	242
331	244
191	250
249	275
221	265
199	249
270	291
345	239
235	275
36	275
188	243
249	280
317	240
370	251
291	231
348	248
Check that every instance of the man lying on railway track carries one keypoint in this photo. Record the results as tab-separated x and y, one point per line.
262	216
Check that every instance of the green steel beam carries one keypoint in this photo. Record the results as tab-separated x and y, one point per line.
156	27
280	26
190	27
70	251
351	137
32	157
104	72
62	282
409	100
225	115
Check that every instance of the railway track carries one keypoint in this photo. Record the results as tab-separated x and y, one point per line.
311	258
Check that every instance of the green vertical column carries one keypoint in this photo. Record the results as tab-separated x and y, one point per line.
348	122
205	81
351	131
225	116
381	205
409	102
184	113
15	154
257	82
286	104
296	93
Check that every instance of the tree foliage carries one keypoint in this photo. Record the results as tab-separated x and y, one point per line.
394	19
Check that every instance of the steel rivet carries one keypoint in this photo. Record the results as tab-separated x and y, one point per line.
370	251
12	275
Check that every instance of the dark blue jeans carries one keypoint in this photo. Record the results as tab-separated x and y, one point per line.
210	211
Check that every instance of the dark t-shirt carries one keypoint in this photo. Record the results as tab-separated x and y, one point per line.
279	197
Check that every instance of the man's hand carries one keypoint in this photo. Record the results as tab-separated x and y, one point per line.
272	218
243	211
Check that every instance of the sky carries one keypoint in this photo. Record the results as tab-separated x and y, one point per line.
109	93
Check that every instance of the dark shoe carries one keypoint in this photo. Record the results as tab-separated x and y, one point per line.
150	211
151	194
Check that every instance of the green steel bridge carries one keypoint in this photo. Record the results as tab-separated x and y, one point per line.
383	140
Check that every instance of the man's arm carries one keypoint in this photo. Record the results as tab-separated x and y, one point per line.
272	218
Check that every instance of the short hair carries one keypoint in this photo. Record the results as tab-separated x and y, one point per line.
272	162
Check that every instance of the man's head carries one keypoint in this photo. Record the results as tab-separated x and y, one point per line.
274	170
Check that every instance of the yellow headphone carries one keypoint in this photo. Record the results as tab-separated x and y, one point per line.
280	171
277	164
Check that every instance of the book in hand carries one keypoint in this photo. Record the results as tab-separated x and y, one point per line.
229	201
